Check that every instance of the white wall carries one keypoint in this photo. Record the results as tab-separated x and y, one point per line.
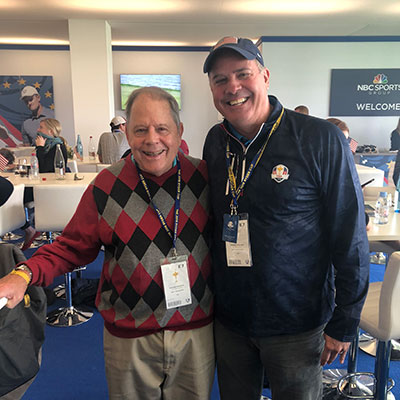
198	113
300	74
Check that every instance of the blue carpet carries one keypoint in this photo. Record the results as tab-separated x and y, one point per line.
73	368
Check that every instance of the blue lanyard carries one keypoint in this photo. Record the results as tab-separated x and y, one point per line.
237	190
176	209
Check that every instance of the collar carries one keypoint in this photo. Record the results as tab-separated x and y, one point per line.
38	116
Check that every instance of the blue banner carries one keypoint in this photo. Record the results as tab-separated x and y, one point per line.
14	111
365	92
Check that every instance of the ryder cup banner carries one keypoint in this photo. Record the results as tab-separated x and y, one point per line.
365	92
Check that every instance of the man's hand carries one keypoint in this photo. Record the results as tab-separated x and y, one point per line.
332	349
12	287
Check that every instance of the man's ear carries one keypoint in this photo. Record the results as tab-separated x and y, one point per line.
180	130
266	77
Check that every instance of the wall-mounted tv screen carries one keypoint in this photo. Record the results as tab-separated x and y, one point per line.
169	82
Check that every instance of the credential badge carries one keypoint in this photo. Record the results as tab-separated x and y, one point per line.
280	173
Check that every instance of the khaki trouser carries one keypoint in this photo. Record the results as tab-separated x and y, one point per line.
166	365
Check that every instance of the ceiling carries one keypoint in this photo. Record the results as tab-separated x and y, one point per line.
197	22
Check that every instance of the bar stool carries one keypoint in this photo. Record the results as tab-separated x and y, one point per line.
12	212
54	207
381	318
367	343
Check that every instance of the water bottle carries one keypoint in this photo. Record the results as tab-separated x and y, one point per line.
59	163
34	171
381	209
92	149
79	147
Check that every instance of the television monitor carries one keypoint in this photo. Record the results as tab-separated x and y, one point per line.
169	82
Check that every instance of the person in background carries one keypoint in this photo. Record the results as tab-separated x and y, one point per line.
150	212
112	145
287	210
346	132
30	96
48	136
302	110
396	171
395	138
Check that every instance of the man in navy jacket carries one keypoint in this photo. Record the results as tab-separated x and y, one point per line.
288	211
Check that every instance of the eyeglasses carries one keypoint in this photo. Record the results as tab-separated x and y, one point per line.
225	40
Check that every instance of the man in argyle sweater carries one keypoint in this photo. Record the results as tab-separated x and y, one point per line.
148	210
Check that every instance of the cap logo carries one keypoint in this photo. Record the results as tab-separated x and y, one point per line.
280	173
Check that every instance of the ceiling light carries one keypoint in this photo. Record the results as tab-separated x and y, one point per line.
293	6
124	6
147	43
19	40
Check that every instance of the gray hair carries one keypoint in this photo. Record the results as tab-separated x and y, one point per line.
158	94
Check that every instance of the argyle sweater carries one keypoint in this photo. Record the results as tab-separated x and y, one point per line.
115	212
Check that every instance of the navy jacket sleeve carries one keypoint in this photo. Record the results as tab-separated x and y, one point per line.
343	201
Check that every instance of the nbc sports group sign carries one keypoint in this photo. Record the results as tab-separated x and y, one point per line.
365	92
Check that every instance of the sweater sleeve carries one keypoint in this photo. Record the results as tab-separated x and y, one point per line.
78	245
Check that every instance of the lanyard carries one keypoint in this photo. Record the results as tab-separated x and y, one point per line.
237	190
176	209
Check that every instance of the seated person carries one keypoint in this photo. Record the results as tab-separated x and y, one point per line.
395	138
396	172
345	129
302	110
112	145
48	136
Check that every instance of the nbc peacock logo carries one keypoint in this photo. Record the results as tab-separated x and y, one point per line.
380	78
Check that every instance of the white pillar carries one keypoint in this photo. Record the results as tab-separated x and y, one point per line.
92	78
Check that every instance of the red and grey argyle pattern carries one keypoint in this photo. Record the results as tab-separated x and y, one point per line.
131	289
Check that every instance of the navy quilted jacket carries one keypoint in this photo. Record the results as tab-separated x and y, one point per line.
301	229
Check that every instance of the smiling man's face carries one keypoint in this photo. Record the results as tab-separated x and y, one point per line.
153	135
240	90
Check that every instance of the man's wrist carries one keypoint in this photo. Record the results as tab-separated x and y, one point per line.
24	272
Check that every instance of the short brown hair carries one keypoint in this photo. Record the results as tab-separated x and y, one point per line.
339	123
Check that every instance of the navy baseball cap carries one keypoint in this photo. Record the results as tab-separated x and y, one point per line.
245	47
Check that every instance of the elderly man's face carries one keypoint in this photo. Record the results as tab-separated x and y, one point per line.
32	102
239	90
153	135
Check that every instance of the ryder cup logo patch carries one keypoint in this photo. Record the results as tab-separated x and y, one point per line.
280	173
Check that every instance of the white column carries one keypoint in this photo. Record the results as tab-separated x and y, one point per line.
92	78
